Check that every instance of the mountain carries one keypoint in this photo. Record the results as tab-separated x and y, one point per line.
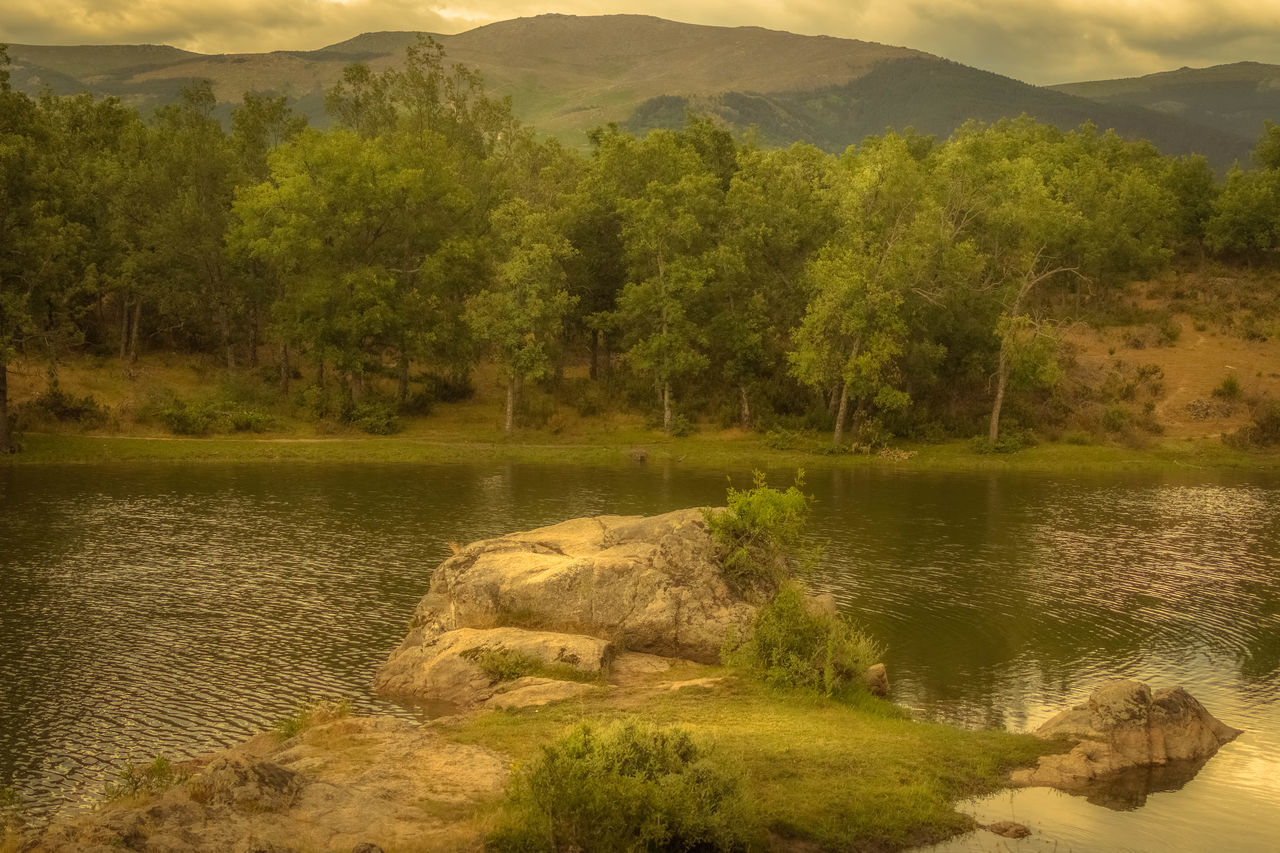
1234	98
568	74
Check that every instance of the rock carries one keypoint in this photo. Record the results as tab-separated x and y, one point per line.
877	680
358	783
708	683
651	584
1006	828
366	847
638	454
444	668
233	780
822	604
534	692
1123	726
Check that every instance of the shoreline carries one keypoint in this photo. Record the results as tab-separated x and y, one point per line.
706	451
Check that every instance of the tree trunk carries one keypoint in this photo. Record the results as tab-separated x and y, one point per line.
1002	378
746	407
840	415
284	370
253	335
511	404
320	374
6	437
224	327
595	354
402	368
666	407
124	327
133	333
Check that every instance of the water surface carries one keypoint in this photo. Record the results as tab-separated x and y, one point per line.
175	609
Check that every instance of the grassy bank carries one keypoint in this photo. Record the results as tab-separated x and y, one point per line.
819	772
723	451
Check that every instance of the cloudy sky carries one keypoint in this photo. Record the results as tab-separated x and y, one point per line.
1040	41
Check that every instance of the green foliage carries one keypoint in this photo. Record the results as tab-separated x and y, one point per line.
1262	433
1229	388
57	405
135	780
503	664
376	417
795	643
760	534
630	786
311	712
182	418
1011	441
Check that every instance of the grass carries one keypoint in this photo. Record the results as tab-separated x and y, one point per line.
819	771
136	780
503	664
471	431
720	451
311	713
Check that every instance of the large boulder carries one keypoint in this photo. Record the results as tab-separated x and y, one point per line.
1124	725
451	667
647	584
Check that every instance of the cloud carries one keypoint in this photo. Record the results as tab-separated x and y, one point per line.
1041	41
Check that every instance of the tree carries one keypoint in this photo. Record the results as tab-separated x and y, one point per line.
853	327
778	211
519	317
356	229
1021	231
667	232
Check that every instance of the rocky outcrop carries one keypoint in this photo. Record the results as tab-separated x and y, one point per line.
1123	726
353	783
466	666
647	584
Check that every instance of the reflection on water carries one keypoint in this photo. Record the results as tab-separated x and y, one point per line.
177	609
1129	789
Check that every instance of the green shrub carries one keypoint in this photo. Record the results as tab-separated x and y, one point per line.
311	712
56	404
376	417
1263	432
137	779
313	402
535	408
503	664
1229	388
794	643
630	786
181	418
1115	418
682	427
247	420
419	404
760	534
1012	439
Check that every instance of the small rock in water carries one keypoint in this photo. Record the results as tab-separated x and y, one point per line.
877	678
1006	828
638	454
366	847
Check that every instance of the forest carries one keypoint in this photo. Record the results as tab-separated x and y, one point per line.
909	287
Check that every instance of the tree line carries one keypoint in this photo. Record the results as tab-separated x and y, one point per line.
908	285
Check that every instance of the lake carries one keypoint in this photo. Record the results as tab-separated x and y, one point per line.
179	608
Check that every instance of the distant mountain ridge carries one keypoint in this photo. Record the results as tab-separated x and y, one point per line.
568	74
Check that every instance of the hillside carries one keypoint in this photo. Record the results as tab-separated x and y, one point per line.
568	74
1234	98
